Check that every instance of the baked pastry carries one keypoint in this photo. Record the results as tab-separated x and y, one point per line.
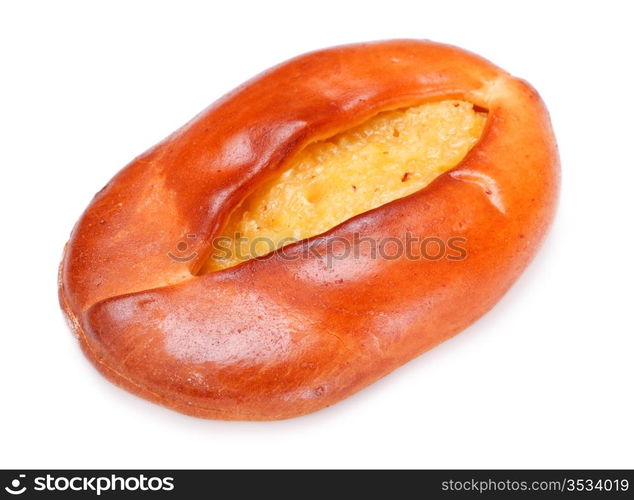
255	264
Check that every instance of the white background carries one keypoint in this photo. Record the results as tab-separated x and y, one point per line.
544	380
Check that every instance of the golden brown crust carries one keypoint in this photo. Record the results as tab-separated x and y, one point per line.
277	338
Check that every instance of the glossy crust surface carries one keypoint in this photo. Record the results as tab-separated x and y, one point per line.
279	337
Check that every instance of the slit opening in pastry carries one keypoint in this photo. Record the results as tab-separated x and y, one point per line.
387	157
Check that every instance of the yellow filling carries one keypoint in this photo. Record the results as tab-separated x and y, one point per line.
389	156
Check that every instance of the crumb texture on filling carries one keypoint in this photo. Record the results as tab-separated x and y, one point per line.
387	157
